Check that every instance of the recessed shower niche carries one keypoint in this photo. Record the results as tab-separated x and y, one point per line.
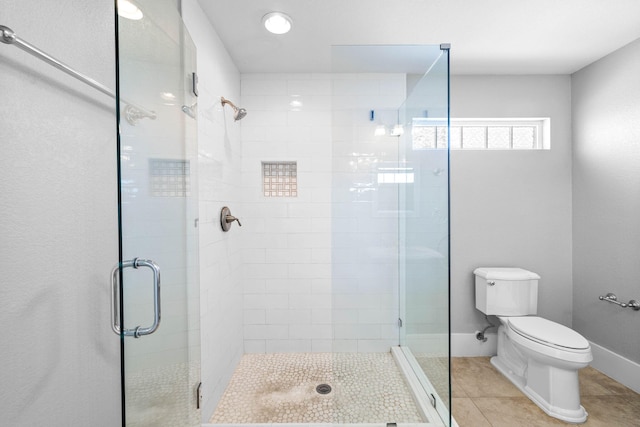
280	179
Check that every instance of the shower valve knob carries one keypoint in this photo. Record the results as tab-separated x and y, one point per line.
231	218
226	219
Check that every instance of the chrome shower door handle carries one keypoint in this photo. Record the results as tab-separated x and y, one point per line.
138	331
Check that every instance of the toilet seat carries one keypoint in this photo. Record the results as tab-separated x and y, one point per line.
548	333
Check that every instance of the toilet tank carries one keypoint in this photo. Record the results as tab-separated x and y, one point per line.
506	291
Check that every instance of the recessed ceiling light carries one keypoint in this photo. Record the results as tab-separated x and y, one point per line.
277	22
128	10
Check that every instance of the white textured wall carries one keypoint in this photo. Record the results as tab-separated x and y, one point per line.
606	210
512	208
60	359
219	155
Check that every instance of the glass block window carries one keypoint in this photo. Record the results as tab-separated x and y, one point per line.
169	177
482	134
280	179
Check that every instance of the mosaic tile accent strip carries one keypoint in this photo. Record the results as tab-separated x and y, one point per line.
281	388
169	177
280	179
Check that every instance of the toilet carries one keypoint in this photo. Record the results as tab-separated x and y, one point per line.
540	357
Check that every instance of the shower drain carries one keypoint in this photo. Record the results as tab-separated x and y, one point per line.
323	389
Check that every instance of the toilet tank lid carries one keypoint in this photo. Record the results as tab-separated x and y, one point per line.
501	273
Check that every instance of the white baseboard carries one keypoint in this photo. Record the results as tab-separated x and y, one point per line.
466	345
621	369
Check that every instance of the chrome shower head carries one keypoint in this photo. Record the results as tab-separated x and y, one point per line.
238	113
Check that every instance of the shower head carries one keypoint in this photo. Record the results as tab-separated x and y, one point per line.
238	113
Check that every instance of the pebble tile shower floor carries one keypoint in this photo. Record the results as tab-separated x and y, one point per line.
281	388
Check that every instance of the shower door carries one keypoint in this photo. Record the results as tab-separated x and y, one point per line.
158	317
423	240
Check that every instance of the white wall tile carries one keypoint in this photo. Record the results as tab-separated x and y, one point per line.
289	317
313	331
324	278
255	346
375	346
309	86
321	316
258	86
288	346
255	317
269	332
345	345
321	346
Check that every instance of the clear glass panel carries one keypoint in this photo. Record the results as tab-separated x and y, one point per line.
367	180
423	219
159	217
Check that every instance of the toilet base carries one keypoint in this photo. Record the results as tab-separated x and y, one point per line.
575	416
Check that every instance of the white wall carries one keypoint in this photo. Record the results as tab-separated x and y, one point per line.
512	208
60	359
219	155
606	181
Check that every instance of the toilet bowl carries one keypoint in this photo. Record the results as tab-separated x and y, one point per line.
543	362
540	357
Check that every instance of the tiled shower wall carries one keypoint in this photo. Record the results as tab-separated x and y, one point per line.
314	281
287	240
219	153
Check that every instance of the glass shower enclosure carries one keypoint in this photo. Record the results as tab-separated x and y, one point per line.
156	287
423	231
390	209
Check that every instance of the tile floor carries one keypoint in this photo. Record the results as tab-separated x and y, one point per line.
482	397
280	388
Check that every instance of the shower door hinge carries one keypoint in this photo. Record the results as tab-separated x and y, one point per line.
199	395
399	323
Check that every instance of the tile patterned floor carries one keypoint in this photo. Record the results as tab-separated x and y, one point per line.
280	388
482	397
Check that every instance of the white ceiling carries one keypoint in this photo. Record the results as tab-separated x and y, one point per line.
486	36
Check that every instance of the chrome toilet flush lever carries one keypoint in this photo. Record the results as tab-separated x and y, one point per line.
226	219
